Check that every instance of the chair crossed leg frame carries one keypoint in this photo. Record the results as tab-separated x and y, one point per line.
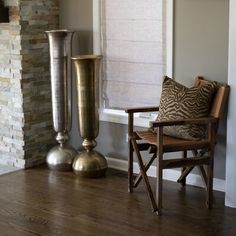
186	171
142	174
207	181
133	183
158	153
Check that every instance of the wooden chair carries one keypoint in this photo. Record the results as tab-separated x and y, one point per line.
158	144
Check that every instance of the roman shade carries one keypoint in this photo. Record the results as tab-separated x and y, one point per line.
133	48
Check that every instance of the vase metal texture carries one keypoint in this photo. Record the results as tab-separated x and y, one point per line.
60	44
88	163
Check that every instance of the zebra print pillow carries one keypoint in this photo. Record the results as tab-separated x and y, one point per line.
179	102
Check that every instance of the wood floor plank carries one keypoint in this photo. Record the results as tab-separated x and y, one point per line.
42	202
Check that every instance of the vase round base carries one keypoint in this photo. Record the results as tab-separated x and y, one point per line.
90	164
61	158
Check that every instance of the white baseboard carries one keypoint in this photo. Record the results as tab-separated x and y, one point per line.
169	174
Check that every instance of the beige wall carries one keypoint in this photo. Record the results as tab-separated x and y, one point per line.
78	15
201	39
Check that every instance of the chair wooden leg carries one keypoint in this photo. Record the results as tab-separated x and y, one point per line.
144	175
159	187
159	169
203	175
185	172
130	168
201	168
210	168
147	165
210	182
183	179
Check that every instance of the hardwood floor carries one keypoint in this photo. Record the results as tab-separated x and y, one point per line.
42	202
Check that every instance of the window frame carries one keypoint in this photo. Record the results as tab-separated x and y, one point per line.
119	116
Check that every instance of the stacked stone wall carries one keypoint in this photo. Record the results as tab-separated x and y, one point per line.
37	16
25	105
11	100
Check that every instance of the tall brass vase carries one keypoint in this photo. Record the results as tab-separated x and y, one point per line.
88	163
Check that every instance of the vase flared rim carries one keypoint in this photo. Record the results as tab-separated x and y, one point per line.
59	31
84	57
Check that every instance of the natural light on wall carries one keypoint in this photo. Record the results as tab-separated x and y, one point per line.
134	42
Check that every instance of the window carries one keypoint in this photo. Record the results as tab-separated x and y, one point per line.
135	52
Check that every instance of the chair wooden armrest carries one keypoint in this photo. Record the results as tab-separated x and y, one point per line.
142	109
202	121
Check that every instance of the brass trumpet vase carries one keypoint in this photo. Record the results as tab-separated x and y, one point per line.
88	163
61	156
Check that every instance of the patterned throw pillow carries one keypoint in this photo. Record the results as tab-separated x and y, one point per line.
179	102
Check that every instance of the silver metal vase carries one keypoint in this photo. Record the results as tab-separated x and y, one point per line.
88	163
61	156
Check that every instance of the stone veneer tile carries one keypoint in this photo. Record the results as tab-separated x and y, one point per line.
25	104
